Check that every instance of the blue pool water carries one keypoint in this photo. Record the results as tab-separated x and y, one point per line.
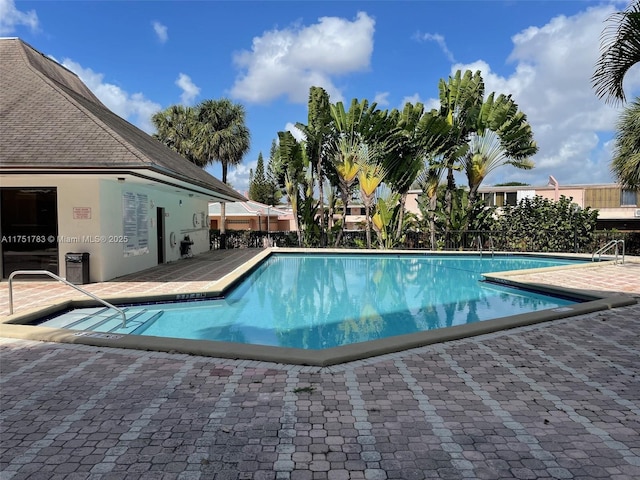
323	301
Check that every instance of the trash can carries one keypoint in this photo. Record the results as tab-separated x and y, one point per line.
77	265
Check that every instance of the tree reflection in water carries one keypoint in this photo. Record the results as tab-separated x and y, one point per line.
320	301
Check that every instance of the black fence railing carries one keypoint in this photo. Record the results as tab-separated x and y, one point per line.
454	241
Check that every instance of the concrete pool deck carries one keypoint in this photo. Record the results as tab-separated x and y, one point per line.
555	400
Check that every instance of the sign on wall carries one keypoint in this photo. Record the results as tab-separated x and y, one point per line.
81	213
135	226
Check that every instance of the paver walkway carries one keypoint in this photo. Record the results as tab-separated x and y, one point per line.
195	274
555	400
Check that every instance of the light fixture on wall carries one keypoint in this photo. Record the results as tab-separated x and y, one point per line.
180	202
121	179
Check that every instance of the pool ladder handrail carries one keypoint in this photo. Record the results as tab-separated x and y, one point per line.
608	246
479	242
60	279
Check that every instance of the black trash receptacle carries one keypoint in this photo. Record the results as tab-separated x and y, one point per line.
77	265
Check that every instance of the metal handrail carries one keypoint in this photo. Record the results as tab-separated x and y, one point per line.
479	242
60	279
612	243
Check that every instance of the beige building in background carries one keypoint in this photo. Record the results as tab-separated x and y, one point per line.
617	207
252	216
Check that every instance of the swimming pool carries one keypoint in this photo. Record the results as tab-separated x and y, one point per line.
316	302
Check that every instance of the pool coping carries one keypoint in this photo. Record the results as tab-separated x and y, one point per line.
14	326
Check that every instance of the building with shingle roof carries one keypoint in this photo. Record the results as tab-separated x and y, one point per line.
75	177
252	215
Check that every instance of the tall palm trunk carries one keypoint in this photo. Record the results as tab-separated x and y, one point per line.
223	221
448	201
321	200
223	212
367	213
433	204
344	195
403	202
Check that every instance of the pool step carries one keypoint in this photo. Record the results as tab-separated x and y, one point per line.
134	321
77	319
103	320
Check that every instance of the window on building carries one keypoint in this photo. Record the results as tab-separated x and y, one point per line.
488	199
608	197
512	199
628	198
499	199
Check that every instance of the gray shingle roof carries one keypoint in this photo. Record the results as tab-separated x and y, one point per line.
50	121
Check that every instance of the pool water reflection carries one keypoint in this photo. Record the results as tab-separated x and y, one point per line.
323	301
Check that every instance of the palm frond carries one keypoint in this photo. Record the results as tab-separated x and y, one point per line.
625	163
619	51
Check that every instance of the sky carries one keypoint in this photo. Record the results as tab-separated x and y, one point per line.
140	57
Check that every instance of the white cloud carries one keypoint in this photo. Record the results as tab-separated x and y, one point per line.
290	61
189	89
551	83
11	18
295	131
439	39
238	176
161	31
381	98
133	107
429	104
413	99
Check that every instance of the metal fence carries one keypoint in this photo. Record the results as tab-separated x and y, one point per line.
454	241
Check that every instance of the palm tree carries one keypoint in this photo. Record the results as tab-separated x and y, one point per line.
387	207
175	127
290	168
370	176
626	156
361	131
460	101
407	163
222	136
619	51
429	181
316	134
502	137
346	164
346	150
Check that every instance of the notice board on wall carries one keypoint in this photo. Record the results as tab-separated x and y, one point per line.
135	223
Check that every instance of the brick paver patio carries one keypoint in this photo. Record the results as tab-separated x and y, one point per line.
555	400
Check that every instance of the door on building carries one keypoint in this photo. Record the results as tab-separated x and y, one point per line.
29	229
160	234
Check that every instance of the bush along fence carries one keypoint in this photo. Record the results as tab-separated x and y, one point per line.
471	240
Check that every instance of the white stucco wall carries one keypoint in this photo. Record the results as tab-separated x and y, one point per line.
179	209
90	219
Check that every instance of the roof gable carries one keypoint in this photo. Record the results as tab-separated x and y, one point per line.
51	120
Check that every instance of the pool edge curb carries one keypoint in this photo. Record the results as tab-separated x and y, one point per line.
13	326
319	358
